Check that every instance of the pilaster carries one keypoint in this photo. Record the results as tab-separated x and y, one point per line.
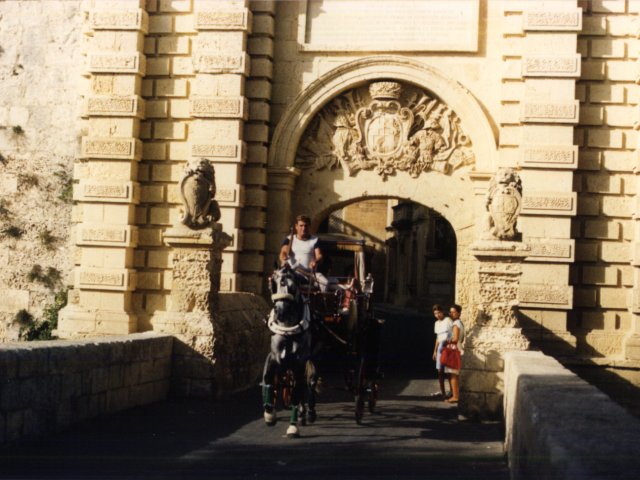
496	330
631	347
279	210
107	190
539	112
219	109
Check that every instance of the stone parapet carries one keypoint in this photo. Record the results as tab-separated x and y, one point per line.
549	436
49	386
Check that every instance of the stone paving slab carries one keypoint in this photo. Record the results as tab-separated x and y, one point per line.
410	437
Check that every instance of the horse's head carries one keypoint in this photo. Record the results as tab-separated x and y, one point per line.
285	296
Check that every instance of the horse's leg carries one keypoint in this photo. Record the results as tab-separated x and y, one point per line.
296	400
268	376
311	377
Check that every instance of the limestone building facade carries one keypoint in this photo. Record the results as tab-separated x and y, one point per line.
312	106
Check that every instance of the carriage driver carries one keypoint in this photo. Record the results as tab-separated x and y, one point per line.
302	252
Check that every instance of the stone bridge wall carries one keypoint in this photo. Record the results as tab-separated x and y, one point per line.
559	426
48	386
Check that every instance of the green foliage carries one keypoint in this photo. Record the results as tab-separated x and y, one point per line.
11	231
28	180
66	184
23	317
17	130
49	279
46	239
43	329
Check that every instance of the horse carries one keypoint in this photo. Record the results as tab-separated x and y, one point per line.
289	322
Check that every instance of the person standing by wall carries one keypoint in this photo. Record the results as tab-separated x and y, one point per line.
457	339
443	330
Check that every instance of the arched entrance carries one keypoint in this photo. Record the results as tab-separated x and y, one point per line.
410	252
386	127
402	107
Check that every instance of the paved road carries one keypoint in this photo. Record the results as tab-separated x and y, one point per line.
409	437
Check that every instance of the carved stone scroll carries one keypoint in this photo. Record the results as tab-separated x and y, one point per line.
387	127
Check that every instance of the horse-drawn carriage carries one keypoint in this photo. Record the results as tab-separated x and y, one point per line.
321	314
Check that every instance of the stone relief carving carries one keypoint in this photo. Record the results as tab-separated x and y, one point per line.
198	189
504	201
385	126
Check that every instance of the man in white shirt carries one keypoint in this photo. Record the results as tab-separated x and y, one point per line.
302	247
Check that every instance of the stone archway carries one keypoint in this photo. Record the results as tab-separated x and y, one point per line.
390	90
312	190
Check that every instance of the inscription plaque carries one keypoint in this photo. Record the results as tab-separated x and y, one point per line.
388	25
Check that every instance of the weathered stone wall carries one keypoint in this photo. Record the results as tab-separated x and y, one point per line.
605	180
40	67
47	386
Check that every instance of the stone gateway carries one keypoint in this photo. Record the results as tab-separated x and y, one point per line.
491	142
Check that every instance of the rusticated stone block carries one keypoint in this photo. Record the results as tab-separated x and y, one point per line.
105	235
114	106
549	203
550	156
111	148
550	250
551	66
237	19
218	63
569	20
110	192
123	20
235	153
545	296
537	112
134	63
230	195
220	107
106	279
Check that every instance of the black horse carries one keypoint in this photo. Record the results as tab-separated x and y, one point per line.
290	356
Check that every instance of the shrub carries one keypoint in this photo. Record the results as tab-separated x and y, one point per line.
43	329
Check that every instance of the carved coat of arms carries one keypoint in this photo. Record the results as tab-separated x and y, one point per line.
504	201
386	127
